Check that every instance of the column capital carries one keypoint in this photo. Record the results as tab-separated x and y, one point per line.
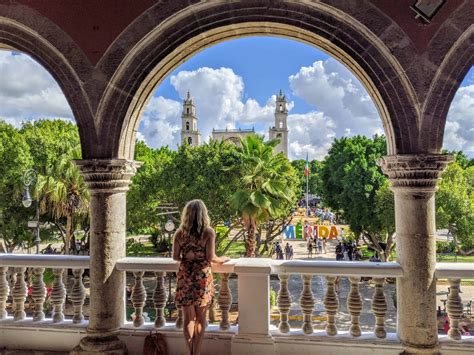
107	175
414	172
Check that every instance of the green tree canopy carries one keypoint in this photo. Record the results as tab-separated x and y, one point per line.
147	190
455	204
351	181
16	159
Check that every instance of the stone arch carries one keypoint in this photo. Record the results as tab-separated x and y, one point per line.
196	27
19	37
446	82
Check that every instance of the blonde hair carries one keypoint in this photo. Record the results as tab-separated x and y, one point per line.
194	219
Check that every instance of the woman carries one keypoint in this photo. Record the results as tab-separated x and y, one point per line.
194	247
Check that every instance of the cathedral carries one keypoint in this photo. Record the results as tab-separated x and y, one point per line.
190	133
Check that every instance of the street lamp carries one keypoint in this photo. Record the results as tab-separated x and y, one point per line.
29	177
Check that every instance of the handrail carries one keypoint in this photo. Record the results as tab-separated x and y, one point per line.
455	270
260	265
165	265
343	268
49	261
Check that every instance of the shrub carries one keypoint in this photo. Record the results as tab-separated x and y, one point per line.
273	297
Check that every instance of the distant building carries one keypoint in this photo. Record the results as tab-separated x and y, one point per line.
190	132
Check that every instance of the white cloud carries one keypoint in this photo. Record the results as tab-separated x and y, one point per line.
310	133
160	123
459	131
218	96
339	95
28	91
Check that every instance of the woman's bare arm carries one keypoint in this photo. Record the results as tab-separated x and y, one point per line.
211	249
176	246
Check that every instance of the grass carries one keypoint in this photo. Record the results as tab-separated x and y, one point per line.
449	258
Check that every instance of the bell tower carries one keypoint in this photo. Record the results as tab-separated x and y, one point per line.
280	130
189	131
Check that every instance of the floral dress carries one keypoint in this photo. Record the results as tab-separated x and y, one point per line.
195	285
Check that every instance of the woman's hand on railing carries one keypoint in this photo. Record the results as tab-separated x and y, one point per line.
220	259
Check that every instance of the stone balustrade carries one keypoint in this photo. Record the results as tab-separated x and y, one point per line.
332	271
159	269
20	273
23	275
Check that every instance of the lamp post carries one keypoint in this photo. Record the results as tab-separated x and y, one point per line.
29	177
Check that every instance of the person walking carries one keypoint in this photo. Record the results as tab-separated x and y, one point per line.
287	251
309	246
194	247
339	253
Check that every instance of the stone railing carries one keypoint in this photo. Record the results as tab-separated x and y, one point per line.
454	272
22	276
25	272
332	271
160	267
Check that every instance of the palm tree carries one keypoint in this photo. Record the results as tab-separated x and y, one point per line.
63	194
267	186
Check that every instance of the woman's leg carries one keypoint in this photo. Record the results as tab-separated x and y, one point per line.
199	329
189	316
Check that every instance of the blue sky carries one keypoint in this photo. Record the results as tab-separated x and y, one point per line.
265	63
234	85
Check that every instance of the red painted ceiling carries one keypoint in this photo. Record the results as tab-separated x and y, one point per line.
94	24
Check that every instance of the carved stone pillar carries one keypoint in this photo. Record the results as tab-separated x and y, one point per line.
107	181
414	179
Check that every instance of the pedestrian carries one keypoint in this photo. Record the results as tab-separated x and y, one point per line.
320	246
287	251
278	251
309	246
339	252
324	245
350	250
446	324
291	252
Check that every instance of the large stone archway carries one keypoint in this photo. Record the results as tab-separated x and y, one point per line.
198	27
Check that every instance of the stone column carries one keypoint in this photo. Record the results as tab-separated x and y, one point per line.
107	181
414	179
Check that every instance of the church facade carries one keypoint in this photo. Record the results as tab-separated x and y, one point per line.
190	132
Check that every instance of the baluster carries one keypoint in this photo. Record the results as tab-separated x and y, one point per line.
38	294
379	307
331	304
354	305
454	308
138	298
58	295
78	294
179	318
19	293
284	303
159	299
307	304
4	291
224	301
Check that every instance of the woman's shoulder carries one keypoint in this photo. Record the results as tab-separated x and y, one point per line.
208	233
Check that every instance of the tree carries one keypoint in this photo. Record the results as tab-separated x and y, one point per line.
314	178
268	186
60	188
147	190
204	172
455	205
16	159
350	181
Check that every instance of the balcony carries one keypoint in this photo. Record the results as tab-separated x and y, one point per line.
23	325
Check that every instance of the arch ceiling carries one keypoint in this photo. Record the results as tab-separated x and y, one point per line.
108	58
